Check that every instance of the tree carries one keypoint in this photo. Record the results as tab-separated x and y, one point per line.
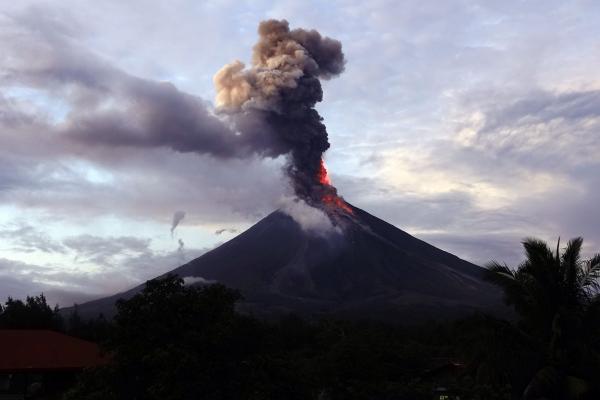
34	313
173	341
556	296
92	329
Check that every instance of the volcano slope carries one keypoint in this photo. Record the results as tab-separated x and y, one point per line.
366	269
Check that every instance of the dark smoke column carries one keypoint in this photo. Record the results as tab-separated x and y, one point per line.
280	91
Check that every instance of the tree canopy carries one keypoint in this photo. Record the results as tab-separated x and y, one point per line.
33	313
556	295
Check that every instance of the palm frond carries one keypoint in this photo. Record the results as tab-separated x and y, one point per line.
508	280
572	254
499	274
591	321
540	260
571	272
590	280
495	266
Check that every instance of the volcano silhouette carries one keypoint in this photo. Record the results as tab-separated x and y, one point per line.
368	268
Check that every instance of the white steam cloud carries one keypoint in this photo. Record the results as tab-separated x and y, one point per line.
311	219
223	230
191	280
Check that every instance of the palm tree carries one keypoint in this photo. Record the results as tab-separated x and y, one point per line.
556	296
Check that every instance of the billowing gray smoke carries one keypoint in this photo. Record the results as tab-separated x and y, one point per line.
266	110
281	90
178	216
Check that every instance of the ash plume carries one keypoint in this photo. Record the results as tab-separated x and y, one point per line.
264	110
178	216
281	89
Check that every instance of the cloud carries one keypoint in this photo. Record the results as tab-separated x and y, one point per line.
120	263
223	230
103	250
552	130
27	238
311	219
108	107
19	279
515	166
115	125
470	125
192	280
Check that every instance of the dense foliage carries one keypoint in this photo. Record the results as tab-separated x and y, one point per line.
174	341
182	342
556	296
33	313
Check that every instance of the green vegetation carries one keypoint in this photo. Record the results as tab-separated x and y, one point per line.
556	297
33	313
173	341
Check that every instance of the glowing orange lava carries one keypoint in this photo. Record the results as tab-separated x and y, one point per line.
331	198
336	201
322	175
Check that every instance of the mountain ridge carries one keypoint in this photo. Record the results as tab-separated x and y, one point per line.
367	268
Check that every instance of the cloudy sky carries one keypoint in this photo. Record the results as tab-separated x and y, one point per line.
468	124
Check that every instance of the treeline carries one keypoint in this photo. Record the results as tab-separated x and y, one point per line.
35	313
174	341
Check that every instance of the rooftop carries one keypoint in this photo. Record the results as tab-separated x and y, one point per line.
43	350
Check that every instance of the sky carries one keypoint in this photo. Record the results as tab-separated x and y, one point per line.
469	124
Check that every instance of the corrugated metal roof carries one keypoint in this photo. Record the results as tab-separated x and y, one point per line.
42	350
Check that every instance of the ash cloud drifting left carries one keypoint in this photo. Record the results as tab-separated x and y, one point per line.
266	111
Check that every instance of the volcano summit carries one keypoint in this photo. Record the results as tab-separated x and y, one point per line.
320	255
365	267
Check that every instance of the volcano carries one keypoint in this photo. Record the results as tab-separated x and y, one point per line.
364	268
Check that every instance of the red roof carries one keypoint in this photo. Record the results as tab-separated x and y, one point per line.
45	350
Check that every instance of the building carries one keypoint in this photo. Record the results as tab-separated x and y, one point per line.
41	363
